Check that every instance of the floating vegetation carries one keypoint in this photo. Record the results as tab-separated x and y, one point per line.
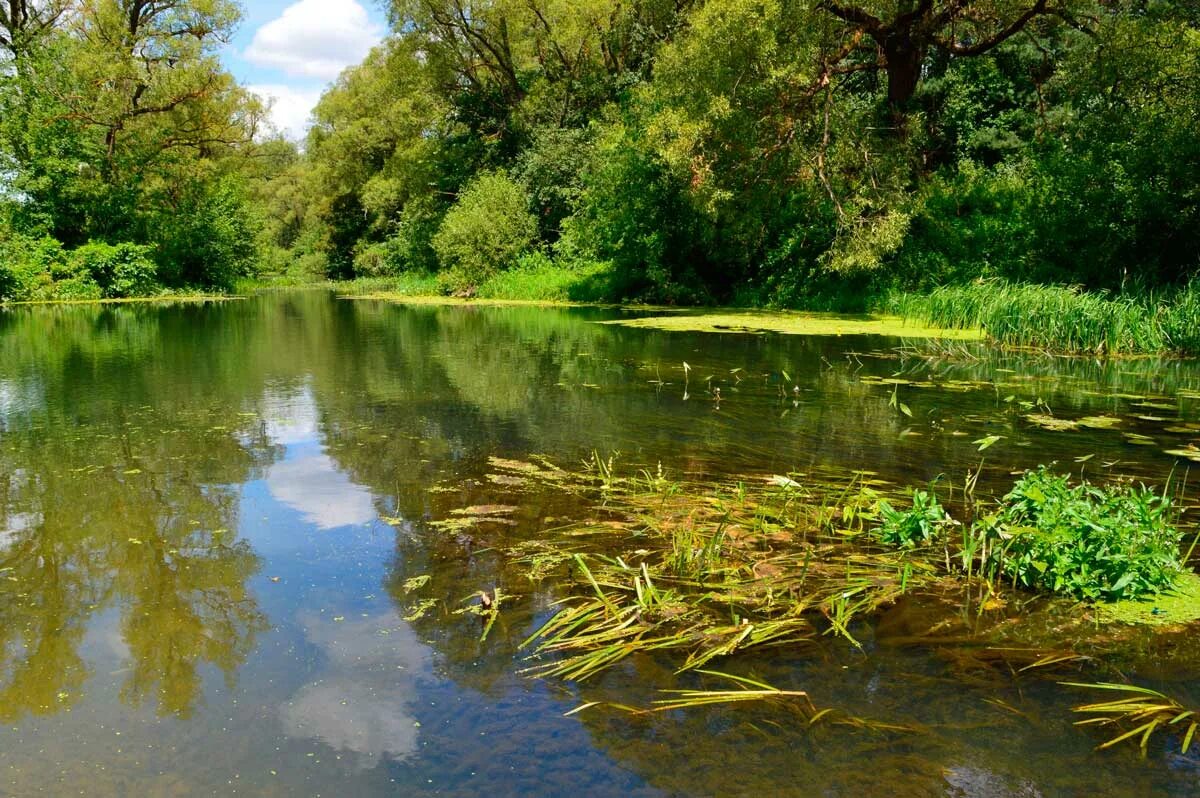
487	510
1147	711
692	573
1054	423
1178	603
709	573
703	571
418	611
1188	453
746	690
795	324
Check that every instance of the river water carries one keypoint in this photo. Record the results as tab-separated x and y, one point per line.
215	519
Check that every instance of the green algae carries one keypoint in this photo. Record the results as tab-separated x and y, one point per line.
794	324
1180	604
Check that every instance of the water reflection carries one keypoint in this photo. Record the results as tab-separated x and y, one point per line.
191	548
362	701
306	479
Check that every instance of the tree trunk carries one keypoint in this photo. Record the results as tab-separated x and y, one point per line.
904	59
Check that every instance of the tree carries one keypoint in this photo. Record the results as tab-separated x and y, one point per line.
23	21
897	37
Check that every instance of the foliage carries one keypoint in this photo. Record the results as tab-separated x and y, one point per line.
27	265
1081	540
485	231
924	523
208	236
536	277
1059	317
121	270
118	124
758	151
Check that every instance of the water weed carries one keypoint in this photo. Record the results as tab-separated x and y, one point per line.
1083	541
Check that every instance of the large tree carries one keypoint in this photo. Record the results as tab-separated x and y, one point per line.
896	36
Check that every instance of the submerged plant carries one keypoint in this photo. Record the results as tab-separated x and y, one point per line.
1148	711
1081	540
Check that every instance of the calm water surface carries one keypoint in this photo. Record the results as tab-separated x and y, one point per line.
209	513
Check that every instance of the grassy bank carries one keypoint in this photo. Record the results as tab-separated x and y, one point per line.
1052	318
1061	319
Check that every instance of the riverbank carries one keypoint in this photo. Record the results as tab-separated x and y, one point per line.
1030	316
1055	319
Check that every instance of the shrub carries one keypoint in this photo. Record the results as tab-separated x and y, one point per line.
210	238
120	270
27	266
1081	540
925	522
485	231
80	287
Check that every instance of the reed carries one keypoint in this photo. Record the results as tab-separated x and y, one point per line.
708	572
1062	318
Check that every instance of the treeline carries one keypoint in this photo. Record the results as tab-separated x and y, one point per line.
760	151
130	161
811	154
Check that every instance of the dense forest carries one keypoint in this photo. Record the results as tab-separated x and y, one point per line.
775	152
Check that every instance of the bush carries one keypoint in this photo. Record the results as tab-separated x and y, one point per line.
210	239
1083	541
27	266
537	277
485	231
120	270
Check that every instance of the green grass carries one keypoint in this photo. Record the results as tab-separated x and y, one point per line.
536	278
1061	318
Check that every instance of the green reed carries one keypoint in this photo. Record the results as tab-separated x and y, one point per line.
1062	318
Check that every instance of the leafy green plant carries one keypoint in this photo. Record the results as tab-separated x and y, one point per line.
1082	540
485	231
121	270
923	523
27	265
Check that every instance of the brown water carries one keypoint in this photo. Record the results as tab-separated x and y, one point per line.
208	514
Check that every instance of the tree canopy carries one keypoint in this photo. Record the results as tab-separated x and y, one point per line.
766	151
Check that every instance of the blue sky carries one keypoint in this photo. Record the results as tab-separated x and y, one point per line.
290	50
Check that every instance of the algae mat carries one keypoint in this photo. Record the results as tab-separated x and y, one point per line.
795	324
1180	604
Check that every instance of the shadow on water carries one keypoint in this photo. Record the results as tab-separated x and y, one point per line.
220	563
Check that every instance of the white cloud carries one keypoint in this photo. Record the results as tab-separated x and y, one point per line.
362	702
308	480
291	108
314	487
315	39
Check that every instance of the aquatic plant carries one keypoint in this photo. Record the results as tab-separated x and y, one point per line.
1060	318
923	523
706	573
1148	711
1082	540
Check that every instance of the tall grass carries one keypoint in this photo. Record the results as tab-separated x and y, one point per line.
1062	318
536	277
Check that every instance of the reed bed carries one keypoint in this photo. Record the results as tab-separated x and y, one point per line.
1062	318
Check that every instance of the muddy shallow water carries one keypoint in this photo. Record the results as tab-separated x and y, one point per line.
211	517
